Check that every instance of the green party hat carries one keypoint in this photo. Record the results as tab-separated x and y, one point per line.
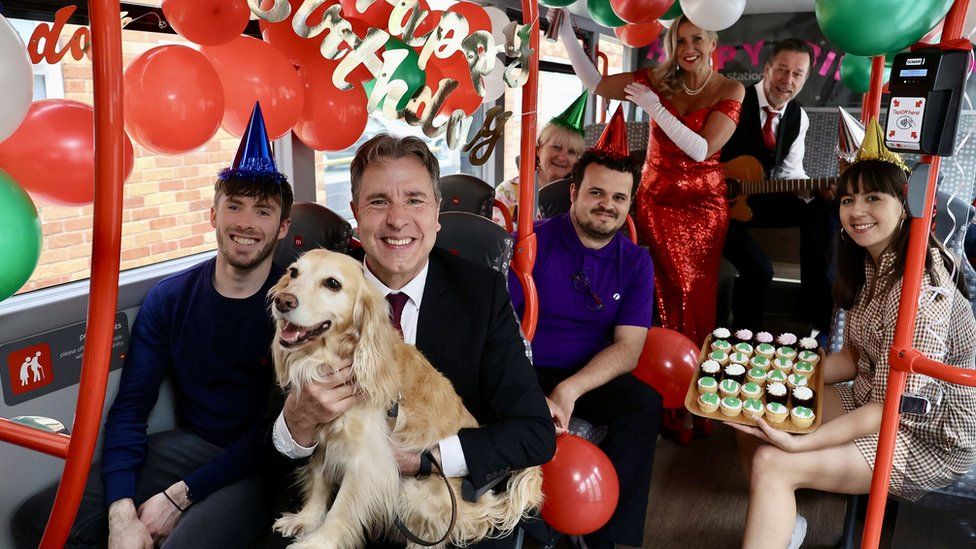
572	118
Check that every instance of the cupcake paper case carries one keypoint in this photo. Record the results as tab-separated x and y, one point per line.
708	402
731	406
802	416
776	412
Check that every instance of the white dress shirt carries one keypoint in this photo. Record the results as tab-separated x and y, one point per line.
792	166
452	457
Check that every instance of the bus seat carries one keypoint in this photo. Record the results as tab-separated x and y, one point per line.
475	238
313	226
466	193
554	198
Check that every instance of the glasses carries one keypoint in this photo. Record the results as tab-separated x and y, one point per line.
582	284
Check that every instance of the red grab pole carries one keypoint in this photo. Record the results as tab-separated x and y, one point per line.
525	249
106	37
903	358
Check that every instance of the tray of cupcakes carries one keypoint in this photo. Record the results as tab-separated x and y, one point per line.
743	376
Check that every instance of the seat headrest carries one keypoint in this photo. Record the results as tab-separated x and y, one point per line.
476	239
466	193
313	226
554	198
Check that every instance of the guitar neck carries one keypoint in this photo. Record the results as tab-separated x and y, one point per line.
765	186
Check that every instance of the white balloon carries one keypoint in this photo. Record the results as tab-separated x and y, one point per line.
498	22
494	85
666	23
16	79
713	15
969	24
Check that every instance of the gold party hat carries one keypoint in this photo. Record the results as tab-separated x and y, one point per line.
873	147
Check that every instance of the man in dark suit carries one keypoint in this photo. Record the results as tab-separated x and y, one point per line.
457	313
772	128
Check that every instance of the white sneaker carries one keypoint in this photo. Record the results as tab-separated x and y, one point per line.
799	532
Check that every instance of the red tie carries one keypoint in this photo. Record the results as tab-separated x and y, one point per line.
769	138
397	301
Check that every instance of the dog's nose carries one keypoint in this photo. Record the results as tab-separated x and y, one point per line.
285	302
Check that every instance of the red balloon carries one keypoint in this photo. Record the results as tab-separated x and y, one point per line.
640	11
455	66
638	35
332	119
207	22
52	153
173	100
282	35
377	15
580	487
252	70
476	15
667	364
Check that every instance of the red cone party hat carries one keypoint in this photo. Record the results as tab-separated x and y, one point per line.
613	142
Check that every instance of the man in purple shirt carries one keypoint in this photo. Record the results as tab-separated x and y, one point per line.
595	291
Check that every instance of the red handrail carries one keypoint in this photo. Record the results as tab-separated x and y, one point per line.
106	36
525	249
44	442
903	358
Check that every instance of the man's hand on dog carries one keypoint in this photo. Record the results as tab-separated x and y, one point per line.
408	461
320	403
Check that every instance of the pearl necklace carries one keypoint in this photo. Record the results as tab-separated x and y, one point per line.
700	88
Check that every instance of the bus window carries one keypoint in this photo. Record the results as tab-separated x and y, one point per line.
166	198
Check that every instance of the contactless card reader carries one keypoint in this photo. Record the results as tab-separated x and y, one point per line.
926	88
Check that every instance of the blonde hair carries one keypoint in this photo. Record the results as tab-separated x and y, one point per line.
561	136
667	75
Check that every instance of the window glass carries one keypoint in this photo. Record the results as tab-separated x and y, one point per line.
614	51
167	198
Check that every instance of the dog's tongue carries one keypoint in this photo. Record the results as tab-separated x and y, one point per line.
291	332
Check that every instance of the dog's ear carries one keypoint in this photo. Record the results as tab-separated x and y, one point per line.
373	360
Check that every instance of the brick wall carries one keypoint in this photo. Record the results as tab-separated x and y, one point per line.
167	198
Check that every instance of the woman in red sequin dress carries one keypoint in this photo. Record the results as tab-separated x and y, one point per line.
682	215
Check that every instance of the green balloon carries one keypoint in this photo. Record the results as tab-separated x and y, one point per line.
673	11
855	72
408	71
874	27
556	3
602	13
20	236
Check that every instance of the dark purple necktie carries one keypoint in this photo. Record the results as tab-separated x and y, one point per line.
397	301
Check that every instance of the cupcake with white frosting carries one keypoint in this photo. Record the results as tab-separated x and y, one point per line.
776	376
803	396
756	375
776	413
795	380
736	372
776	392
721	333
743	348
786	352
764	337
729	387
743	335
784	365
808	356
809	344
786	339
753	408
721	345
711	368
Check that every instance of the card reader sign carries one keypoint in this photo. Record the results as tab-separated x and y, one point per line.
904	127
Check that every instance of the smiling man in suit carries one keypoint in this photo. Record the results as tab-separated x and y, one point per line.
457	313
773	128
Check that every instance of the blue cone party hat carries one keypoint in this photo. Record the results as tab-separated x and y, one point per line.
255	160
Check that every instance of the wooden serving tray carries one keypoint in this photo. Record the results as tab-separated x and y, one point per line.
816	383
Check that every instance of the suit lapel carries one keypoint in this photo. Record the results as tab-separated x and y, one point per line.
435	318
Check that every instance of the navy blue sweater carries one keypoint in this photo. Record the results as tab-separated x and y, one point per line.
216	350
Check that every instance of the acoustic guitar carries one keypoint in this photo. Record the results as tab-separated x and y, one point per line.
744	175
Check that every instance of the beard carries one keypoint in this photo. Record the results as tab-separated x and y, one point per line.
598	231
244	262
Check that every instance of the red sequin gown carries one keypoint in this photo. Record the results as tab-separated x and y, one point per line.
682	216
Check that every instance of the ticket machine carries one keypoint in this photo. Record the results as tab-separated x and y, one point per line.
926	88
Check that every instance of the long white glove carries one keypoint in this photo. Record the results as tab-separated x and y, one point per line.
582	65
694	145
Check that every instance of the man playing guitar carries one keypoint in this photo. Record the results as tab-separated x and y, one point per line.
772	129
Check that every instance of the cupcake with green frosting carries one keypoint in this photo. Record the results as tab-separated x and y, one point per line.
804	369
765	349
756	375
738	358
707	384
729	387
721	345
776	376
808	356
802	416
760	361
708	402
784	365
731	406
751	390
719	356
786	352
776	413
743	348
753	408
795	380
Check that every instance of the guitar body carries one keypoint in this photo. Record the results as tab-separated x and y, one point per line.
740	168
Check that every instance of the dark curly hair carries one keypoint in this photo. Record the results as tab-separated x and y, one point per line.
615	163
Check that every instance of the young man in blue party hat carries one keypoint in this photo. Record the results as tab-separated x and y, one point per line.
209	331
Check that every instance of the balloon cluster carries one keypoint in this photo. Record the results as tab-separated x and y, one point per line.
869	28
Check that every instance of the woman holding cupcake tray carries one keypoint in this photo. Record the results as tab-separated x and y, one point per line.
931	450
